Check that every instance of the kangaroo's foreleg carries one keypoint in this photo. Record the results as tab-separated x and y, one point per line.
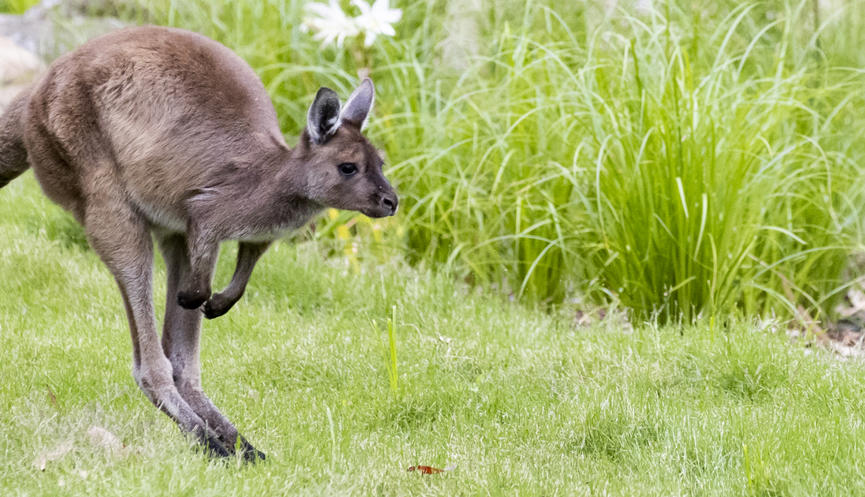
202	250
122	239
180	341
248	254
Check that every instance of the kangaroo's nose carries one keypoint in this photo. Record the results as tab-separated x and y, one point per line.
389	202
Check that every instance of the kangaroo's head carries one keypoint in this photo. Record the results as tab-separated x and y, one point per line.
343	169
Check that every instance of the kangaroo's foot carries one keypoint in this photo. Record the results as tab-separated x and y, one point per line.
214	448
227	434
160	390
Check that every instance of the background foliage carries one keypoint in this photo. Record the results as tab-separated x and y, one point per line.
16	6
684	159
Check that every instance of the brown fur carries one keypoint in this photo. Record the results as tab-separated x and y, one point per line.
162	132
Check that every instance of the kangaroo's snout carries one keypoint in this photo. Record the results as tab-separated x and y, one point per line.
383	203
389	202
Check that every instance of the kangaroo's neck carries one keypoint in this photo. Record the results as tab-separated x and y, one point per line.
282	199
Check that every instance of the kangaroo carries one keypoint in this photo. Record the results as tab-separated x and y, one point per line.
158	133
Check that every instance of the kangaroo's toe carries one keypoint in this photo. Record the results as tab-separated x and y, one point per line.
250	454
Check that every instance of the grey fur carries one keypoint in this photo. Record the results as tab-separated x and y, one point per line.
158	132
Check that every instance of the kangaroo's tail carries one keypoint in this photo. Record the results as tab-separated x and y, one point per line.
13	155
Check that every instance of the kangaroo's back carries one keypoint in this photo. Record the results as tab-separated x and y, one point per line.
174	95
167	110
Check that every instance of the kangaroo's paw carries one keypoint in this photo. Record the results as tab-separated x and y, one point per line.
217	305
192	299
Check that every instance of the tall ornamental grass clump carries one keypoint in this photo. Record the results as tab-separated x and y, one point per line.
642	166
714	182
687	160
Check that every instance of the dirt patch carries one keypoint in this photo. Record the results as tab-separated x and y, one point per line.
845	336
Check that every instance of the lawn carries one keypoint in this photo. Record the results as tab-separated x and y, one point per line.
522	402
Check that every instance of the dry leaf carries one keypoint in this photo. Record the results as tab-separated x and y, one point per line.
52	397
429	470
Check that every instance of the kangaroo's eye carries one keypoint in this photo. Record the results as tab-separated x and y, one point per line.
347	169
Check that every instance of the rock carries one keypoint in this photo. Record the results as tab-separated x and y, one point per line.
94	8
17	65
25	30
52	28
18	68
48	30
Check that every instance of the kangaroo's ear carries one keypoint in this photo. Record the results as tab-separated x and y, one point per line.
322	120
357	107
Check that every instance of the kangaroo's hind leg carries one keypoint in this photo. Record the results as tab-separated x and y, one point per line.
180	341
122	239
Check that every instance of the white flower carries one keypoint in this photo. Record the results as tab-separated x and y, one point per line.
330	23
377	19
644	6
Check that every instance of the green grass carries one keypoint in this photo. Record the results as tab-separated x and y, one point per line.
522	402
695	161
